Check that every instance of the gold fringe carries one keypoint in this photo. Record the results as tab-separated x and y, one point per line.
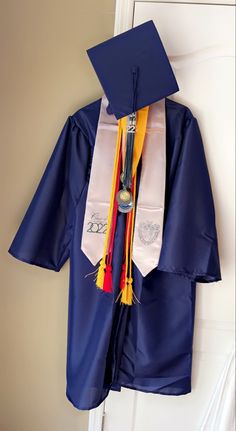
134	299
101	274
118	296
127	292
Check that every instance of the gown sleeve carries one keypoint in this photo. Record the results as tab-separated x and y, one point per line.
44	235
190	238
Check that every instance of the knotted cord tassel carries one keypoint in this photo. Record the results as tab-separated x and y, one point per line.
127	292
101	274
107	285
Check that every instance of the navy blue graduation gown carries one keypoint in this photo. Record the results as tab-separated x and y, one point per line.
146	346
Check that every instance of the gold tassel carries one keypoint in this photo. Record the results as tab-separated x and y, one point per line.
101	274
127	292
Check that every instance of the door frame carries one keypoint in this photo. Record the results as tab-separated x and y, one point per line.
124	11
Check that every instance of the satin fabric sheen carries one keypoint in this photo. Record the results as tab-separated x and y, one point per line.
147	346
100	186
148	230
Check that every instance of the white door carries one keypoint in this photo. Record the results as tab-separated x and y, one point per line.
198	39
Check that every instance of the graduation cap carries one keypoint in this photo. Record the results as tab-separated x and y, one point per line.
133	69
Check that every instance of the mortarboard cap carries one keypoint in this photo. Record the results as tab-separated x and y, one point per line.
133	69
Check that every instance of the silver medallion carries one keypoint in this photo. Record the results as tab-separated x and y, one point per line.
125	200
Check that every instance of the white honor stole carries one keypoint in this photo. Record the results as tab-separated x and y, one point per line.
149	214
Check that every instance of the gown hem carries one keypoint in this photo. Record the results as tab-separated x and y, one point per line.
123	385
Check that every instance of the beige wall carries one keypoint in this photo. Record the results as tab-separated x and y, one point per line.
45	75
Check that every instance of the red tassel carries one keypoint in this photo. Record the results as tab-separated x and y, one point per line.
107	286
